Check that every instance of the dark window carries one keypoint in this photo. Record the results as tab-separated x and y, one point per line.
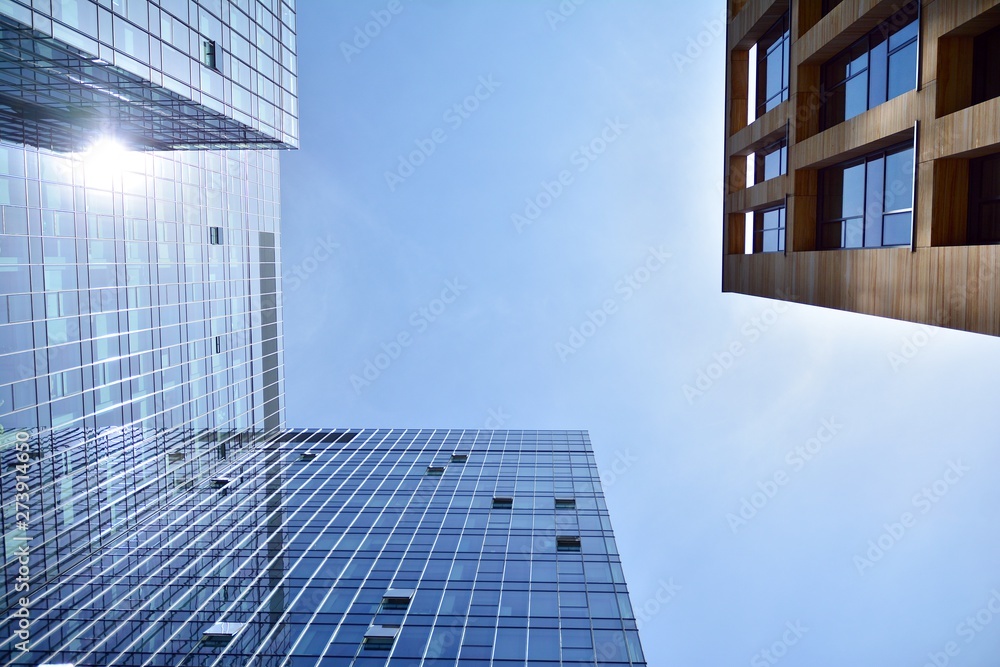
459	458
435	470
218	344
984	200
868	202
215	235
208	53
769	230
567	543
828	5
772	66
565	503
986	66
878	67
503	503
771	161
396	599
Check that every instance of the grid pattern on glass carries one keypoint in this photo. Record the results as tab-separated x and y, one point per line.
868	202
304	554
113	298
878	67
175	74
773	66
769	230
984	200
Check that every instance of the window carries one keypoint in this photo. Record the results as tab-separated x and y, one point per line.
459	458
215	235
435	471
397	598
868	202
829	5
565	503
568	543
218	344
984	200
772	66
208	58
771	161
221	633
307	456
769	230
985	72
878	67
503	503
381	637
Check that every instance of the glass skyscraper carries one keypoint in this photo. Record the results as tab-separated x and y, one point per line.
155	508
366	547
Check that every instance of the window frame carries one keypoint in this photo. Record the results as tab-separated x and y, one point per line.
866	210
876	43
780	34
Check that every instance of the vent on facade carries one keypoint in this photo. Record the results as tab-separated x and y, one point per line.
307	456
397	598
222	633
567	543
218	344
381	637
220	482
565	503
437	471
175	457
215	235
459	458
503	503
208	55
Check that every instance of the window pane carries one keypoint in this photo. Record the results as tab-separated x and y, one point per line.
899	180
853	202
853	232
856	96
903	71
874	202
897	229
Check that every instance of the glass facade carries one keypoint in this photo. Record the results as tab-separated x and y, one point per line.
158	74
336	548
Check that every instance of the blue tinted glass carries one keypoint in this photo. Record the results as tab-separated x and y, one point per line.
856	96
896	230
903	71
899	180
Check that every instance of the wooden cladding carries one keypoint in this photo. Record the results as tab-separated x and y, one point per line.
951	275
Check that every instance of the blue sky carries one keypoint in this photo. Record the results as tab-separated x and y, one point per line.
547	255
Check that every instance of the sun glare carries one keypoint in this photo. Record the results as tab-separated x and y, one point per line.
104	158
